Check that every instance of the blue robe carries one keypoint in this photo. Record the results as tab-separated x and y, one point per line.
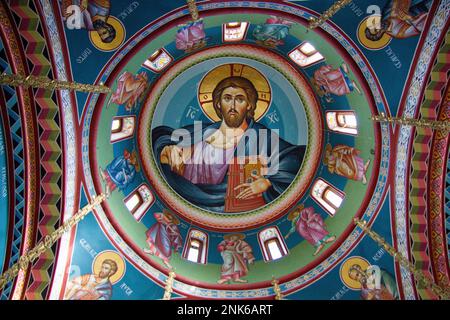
121	172
274	32
105	290
212	196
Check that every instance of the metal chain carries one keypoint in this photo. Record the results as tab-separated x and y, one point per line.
169	283
423	123
193	10
277	289
48	241
46	83
338	5
419	275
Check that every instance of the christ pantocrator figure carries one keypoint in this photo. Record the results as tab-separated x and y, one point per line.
200	172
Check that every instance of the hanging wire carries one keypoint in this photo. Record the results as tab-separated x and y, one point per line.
46	83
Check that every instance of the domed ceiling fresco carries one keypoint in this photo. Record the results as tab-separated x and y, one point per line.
237	147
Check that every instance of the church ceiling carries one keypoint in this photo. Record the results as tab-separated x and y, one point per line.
237	145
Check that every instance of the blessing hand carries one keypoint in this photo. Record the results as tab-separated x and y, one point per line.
258	186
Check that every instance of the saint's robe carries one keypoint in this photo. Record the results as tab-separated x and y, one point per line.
211	196
90	287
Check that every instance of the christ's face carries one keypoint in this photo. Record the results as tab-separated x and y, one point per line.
234	106
105	271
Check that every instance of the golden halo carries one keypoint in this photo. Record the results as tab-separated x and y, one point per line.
369	44
328	150
345	268
112	255
294	213
213	77
117	41
171	216
240	235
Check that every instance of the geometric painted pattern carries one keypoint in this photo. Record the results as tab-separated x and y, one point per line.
28	22
15	131
447	203
420	163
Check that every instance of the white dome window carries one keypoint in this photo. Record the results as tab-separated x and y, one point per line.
272	244
196	247
327	196
139	201
122	128
158	61
342	122
234	31
305	55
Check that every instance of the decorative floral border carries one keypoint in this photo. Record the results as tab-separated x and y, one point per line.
402	168
30	145
67	114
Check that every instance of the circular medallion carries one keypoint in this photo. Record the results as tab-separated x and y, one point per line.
200	167
351	271
108	45
112	262
376	42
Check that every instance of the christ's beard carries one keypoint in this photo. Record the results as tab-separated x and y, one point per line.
234	120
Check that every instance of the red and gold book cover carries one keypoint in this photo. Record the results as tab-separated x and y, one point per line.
239	173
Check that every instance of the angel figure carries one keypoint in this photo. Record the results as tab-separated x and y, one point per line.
236	255
345	161
310	226
273	31
329	80
163	237
191	36
129	89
